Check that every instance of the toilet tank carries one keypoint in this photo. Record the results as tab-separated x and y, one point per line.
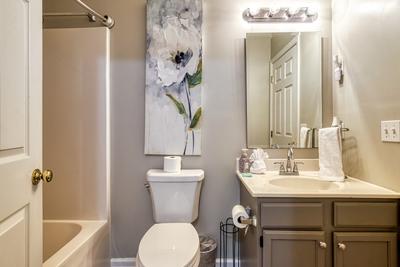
175	196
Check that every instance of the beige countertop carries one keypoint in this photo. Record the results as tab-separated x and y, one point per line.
309	185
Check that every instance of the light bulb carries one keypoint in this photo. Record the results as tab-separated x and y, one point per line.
311	11
284	13
274	10
253	11
292	11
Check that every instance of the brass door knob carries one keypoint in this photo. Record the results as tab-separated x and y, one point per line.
37	176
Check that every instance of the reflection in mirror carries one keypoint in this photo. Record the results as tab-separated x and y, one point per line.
284	89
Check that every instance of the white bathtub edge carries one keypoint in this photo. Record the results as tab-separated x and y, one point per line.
89	229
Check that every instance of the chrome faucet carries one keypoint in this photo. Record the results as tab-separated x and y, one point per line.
290	157
291	165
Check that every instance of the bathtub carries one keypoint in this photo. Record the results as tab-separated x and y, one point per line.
75	243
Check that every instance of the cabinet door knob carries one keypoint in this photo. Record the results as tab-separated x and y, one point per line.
341	246
322	245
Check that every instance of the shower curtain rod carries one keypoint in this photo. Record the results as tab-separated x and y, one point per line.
92	14
106	20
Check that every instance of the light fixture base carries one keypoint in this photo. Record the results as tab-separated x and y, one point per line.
281	15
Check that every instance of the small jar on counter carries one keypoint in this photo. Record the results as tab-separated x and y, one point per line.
244	161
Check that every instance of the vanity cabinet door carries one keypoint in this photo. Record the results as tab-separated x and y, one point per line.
294	249
365	249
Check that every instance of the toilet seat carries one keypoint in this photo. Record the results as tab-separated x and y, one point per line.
169	245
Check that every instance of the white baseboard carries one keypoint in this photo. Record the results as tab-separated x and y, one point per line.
123	262
131	262
229	263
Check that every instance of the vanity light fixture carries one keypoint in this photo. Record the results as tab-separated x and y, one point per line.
283	14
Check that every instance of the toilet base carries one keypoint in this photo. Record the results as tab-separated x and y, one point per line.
194	263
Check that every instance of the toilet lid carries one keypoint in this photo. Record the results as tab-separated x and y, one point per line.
169	245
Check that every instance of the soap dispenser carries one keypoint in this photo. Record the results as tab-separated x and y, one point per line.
244	161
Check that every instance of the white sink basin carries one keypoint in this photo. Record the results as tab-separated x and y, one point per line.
302	183
309	184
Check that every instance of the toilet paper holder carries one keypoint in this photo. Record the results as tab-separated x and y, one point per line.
252	220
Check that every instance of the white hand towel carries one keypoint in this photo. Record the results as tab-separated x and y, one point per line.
304	137
330	154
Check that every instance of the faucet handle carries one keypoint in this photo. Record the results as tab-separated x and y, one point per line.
295	166
282	165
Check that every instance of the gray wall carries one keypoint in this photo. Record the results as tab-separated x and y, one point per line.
223	123
367	35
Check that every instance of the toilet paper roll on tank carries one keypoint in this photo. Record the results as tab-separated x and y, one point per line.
172	164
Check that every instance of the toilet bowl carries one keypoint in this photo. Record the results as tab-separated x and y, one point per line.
169	245
172	241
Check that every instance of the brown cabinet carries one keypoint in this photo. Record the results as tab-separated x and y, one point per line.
294	248
320	232
366	249
365	214
292	215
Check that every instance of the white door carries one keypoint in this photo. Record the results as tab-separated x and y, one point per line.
284	96
20	132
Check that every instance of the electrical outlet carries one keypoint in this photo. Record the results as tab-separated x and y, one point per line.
390	131
385	136
395	131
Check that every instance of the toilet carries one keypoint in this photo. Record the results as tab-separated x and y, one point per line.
172	241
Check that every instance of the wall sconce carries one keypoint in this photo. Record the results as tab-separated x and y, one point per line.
283	14
338	69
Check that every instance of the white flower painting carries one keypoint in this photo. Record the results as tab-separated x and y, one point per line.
173	77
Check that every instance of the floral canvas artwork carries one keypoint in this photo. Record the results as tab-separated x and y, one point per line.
173	77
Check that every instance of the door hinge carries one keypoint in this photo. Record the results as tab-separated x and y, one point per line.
261	241
272	134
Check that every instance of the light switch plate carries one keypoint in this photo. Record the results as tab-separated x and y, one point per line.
390	131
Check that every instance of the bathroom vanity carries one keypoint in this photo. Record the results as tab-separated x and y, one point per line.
305	222
301	220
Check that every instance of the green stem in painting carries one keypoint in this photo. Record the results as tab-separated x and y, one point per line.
189	104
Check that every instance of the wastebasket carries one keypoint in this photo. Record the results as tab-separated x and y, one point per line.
208	251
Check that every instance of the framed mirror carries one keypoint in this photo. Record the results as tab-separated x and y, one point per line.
283	89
